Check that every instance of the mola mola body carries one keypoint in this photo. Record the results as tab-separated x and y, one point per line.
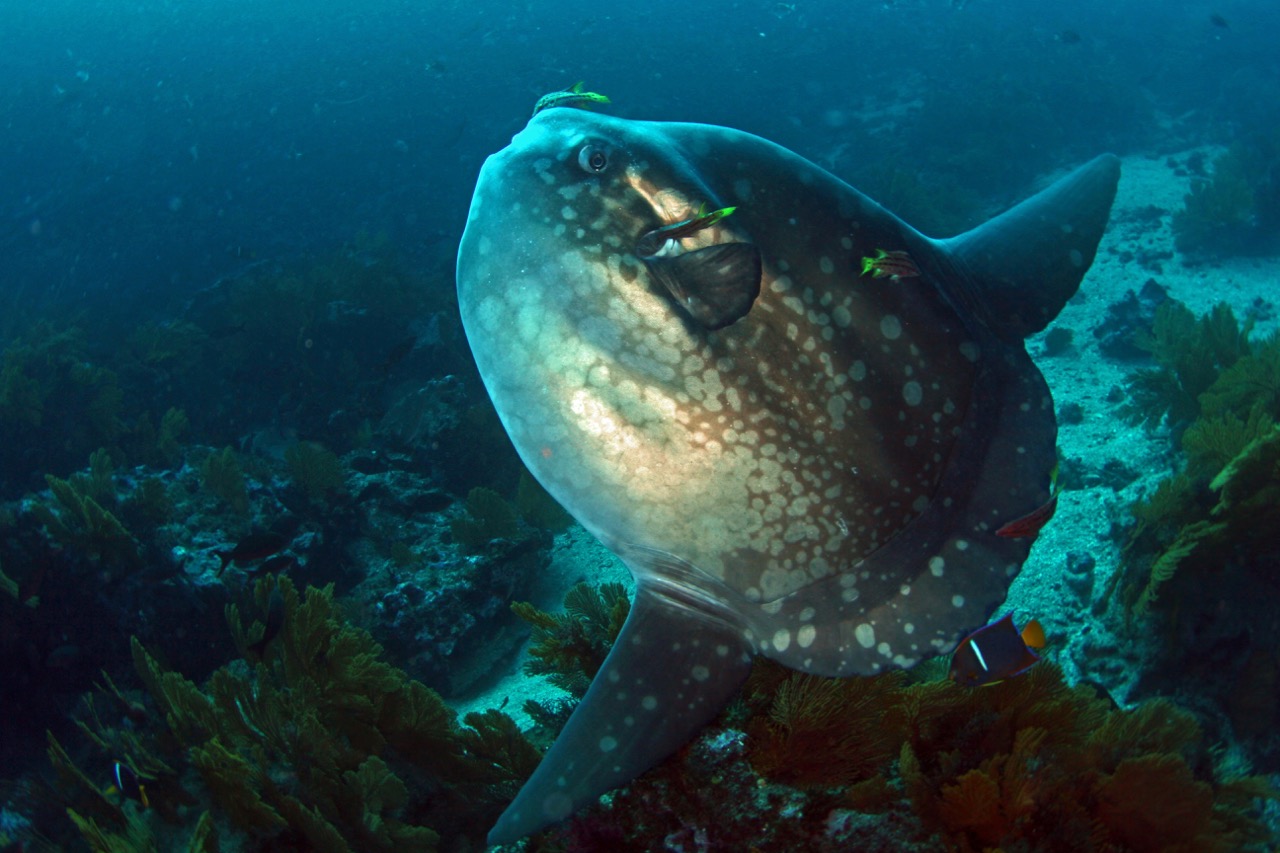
799	425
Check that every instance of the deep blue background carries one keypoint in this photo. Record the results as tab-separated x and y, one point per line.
150	147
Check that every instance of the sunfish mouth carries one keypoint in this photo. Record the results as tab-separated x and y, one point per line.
715	284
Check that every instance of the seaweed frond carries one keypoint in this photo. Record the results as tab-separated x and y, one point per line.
488	517
570	647
805	738
1215	439
538	507
223	476
321	743
314	469
1250	386
77	518
1190	354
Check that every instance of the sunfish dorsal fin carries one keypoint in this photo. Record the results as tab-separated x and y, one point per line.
1028	261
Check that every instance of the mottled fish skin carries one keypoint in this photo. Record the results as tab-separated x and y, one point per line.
819	481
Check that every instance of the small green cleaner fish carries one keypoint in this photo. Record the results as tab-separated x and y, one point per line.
571	97
653	242
896	265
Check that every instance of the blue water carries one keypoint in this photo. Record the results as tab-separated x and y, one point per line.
151	147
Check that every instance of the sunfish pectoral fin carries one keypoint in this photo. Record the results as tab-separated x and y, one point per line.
669	673
716	285
1027	262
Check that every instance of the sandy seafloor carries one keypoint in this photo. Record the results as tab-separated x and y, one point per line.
1073	609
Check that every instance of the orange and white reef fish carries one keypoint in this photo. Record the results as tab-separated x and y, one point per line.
995	652
896	265
126	783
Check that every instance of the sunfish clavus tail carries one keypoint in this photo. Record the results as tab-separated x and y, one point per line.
799	425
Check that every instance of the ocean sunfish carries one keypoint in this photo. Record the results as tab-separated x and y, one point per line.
799	426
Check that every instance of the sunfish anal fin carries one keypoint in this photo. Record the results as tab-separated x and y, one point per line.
716	285
669	673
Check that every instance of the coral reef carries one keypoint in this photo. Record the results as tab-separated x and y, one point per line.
911	761
1190	355
1237	209
223	476
314	469
56	404
76	518
424	414
1128	323
172	425
446	617
1199	556
316	745
569	648
1224	392
321	347
488	517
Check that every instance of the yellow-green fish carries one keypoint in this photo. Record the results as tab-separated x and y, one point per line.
571	97
653	242
896	265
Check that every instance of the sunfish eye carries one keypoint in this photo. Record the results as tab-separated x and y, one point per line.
592	159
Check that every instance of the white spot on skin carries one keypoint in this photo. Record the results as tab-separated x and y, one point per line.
936	566
865	635
836	408
912	393
891	327
700	673
957	601
649	703
608	743
782	639
805	636
824	264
